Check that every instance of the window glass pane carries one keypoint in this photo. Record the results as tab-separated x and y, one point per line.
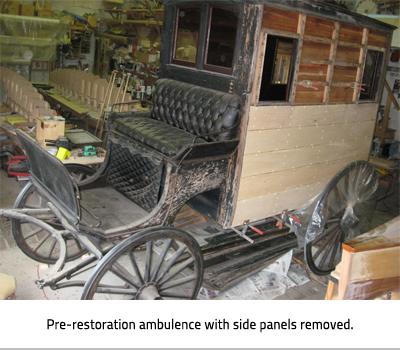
373	67
282	62
187	34
222	38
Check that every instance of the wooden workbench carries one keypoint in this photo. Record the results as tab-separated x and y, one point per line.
10	130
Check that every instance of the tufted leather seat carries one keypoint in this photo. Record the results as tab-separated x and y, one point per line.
183	114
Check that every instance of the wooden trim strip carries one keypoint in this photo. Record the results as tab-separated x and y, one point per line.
362	60
318	39
312	61
331	67
281	33
344	64
300	29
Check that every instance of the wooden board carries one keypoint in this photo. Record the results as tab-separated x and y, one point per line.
319	27
351	34
370	263
280	20
71	105
275	117
291	153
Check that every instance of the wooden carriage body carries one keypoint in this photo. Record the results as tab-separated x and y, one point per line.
310	78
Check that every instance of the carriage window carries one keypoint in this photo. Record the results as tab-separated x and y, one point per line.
372	71
277	70
220	48
187	36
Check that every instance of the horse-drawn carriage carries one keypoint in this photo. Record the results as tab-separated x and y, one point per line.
259	105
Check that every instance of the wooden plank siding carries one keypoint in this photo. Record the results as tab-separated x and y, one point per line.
330	54
291	153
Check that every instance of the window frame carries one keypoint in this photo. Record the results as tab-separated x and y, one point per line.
377	67
179	62
216	68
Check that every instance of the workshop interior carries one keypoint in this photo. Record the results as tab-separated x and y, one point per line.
216	150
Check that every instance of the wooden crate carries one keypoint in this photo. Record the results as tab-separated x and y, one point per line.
49	128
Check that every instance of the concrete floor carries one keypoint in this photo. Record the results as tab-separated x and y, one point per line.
26	270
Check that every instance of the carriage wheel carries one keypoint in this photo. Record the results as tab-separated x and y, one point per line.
35	241
79	172
343	211
156	263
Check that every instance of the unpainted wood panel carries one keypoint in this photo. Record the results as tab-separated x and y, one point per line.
377	39
260	207
292	158
344	74
263	206
309	95
274	117
316	50
280	20
351	34
296	137
319	27
313	72
375	264
341	94
347	54
264	184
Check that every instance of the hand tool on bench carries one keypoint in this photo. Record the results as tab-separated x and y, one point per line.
108	91
103	116
61	142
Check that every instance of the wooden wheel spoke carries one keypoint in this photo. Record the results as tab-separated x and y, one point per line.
116	291
117	271
178	282
135	267
334	251
160	259
149	251
42	241
177	270
328	249
324	234
32	233
323	244
53	245
170	263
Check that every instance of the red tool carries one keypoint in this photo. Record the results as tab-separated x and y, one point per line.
246	223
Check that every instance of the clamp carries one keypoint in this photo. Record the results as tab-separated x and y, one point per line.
358	86
245	229
309	84
284	219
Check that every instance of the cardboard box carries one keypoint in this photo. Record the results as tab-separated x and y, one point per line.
44	14
92	19
49	128
26	10
39	6
13	8
146	57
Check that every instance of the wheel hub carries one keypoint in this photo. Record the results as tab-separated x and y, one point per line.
148	291
349	219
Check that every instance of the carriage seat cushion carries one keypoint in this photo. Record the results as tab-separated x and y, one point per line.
181	113
154	134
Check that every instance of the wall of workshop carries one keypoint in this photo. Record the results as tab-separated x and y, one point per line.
80	7
393	79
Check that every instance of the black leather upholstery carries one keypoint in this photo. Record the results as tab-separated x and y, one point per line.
158	135
181	113
135	176
196	109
